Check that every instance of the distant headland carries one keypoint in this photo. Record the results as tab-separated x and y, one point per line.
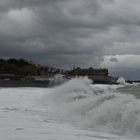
21	72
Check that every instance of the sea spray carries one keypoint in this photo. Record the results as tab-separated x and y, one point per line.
121	80
97	108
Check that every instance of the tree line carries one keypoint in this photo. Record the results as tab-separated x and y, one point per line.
24	67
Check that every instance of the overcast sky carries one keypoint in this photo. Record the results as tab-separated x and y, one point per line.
63	33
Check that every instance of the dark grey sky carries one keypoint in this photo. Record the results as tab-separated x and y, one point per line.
63	33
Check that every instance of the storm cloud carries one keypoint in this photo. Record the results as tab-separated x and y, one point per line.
64	33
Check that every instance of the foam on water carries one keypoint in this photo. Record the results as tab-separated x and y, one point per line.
121	80
97	107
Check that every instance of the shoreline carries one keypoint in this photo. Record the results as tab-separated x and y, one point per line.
12	83
43	84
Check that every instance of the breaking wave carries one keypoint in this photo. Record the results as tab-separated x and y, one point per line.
97	107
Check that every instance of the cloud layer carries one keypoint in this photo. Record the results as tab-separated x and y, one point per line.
64	33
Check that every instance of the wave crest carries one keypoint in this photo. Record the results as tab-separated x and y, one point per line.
97	107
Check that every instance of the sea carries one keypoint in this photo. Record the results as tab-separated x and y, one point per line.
75	110
113	109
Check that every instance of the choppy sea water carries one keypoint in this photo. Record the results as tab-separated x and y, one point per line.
103	108
130	89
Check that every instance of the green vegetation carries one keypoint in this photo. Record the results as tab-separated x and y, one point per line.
20	69
17	67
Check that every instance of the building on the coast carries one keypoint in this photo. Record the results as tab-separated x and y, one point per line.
100	75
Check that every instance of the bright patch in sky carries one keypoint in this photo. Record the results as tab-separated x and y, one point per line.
121	61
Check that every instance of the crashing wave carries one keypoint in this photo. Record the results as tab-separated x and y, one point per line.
121	80
92	106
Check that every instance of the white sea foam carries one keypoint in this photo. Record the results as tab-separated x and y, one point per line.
97	107
121	80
